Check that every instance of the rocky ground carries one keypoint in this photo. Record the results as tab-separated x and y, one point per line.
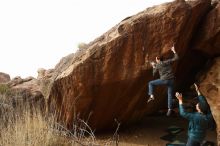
153	131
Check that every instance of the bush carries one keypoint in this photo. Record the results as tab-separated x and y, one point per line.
4	89
82	46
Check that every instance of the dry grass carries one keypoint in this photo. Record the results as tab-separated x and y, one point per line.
24	125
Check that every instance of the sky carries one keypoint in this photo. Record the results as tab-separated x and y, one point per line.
38	33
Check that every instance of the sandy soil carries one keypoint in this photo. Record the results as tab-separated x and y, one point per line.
148	132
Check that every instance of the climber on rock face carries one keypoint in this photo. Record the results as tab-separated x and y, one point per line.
166	78
199	122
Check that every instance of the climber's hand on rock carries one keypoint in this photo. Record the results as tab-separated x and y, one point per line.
153	64
179	97
173	49
197	89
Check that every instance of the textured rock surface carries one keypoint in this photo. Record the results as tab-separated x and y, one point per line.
105	81
43	73
27	90
204	45
44	78
208	36
210	87
4	77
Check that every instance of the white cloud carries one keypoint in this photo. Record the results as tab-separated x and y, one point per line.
38	33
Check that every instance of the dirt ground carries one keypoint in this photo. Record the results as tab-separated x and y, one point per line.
150	130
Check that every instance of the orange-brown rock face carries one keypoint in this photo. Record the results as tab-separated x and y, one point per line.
208	37
204	45
105	81
210	87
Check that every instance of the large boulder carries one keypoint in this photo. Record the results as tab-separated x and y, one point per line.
4	78
21	91
105	80
209	82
